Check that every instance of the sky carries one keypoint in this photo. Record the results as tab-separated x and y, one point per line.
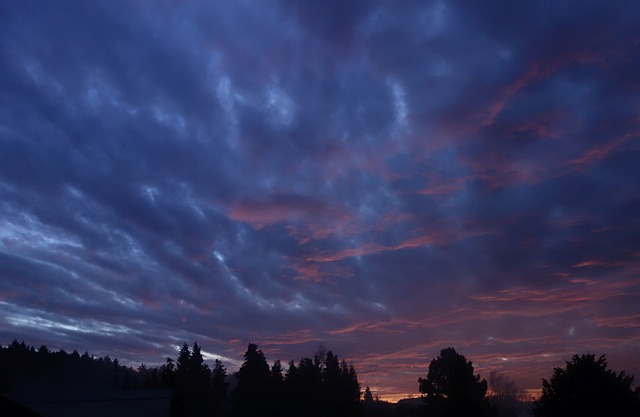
384	178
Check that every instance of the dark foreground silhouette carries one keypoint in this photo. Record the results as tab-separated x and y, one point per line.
40	382
586	388
316	386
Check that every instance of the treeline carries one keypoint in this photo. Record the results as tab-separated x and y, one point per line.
321	385
27	368
317	386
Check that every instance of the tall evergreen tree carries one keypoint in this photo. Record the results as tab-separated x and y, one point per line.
251	398
310	385
291	390
200	375
350	392
368	397
331	385
184	359
192	382
219	387
277	389
322	386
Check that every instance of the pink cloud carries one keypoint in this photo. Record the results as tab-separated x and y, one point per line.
593	262
285	209
595	155
572	295
441	186
318	272
293	337
623	320
536	72
498	171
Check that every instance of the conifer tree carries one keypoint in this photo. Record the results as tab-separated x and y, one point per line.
219	387
250	397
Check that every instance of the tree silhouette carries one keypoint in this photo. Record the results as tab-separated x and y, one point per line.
585	387
368	397
306	396
115	372
29	369
451	388
250	397
184	359
502	387
321	386
277	388
349	391
167	374
332	389
277	372
292	391
219	387
200	374
192	382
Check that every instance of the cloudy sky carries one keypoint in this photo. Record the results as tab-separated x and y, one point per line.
386	178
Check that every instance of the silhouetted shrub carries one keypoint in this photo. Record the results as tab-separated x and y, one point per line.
451	388
586	388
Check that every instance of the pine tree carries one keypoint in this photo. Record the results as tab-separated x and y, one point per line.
250	397
219	387
192	382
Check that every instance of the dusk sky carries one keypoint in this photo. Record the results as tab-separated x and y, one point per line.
385	178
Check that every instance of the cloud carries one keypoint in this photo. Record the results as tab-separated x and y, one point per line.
291	209
445	173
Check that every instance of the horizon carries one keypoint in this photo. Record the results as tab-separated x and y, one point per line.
384	178
526	395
